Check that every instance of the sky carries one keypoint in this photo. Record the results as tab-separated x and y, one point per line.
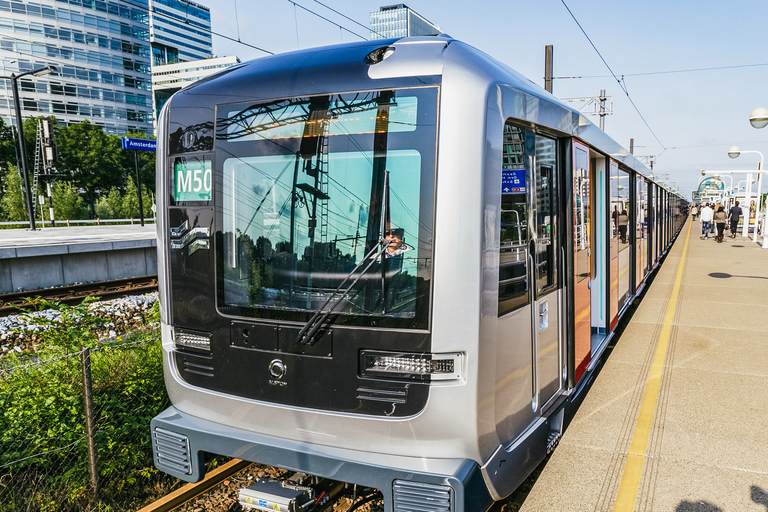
661	52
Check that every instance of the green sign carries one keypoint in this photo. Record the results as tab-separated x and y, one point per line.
192	179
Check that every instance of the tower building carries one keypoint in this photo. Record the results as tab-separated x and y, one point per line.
399	20
180	31
101	51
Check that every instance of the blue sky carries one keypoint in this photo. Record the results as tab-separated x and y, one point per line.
694	116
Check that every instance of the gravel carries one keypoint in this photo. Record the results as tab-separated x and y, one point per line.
124	314
223	497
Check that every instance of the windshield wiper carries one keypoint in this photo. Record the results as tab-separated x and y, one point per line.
313	325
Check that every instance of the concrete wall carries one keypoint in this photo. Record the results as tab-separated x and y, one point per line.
33	268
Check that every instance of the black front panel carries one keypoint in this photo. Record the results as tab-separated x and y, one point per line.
321	376
264	225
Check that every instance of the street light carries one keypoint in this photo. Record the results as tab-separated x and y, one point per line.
734	152
20	134
759	119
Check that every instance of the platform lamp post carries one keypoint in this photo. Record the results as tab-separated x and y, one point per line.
734	152
20	133
759	119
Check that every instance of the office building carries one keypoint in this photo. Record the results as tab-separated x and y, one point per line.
180	31
102	53
400	21
169	78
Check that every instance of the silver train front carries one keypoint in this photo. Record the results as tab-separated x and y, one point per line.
515	379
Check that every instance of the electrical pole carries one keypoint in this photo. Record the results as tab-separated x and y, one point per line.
632	146
548	68
602	109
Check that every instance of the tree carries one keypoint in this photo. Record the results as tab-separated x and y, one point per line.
110	206
67	203
92	159
7	145
12	202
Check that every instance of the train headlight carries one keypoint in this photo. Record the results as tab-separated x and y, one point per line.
403	365
192	340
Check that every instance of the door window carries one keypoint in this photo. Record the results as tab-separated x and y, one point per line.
517	151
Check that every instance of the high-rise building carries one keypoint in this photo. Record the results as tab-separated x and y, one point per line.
180	31
399	20
169	78
102	53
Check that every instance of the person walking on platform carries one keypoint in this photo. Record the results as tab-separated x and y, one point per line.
733	217
623	222
719	219
706	221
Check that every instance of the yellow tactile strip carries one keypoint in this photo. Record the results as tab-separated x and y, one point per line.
638	452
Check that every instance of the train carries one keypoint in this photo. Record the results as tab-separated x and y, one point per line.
393	265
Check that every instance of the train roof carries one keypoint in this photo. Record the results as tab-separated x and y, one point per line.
415	61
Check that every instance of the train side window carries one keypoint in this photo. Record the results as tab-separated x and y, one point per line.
513	260
546	212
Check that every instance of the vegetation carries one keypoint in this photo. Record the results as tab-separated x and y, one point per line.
95	176
43	448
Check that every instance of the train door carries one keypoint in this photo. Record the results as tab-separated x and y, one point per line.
548	300
530	347
599	244
582	258
614	245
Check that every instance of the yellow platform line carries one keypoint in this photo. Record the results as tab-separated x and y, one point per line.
633	469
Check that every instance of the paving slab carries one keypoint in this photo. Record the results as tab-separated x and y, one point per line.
706	449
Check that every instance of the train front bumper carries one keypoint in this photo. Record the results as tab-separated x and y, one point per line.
180	440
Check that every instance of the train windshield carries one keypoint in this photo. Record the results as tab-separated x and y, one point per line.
309	188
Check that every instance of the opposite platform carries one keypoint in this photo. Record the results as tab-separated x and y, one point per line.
31	260
677	418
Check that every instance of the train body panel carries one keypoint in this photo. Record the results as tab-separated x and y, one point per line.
374	266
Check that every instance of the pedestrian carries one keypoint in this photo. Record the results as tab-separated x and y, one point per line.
706	217
623	222
733	218
719	219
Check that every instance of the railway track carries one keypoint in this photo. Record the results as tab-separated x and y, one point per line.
73	294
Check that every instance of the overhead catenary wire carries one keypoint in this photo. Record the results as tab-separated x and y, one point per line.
621	81
667	72
210	31
348	18
328	20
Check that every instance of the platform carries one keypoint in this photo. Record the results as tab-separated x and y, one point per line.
49	257
677	419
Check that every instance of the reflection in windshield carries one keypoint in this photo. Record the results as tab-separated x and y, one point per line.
303	201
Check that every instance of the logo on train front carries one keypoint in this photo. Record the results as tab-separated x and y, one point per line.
277	370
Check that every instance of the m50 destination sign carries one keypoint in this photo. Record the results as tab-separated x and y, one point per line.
192	179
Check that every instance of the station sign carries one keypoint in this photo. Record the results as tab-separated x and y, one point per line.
139	144
512	181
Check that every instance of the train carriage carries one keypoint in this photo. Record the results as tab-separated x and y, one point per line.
393	264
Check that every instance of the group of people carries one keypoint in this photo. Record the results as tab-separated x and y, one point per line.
714	217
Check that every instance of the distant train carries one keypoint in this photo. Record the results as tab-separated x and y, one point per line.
389	264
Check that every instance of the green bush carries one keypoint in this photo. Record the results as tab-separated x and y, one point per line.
43	445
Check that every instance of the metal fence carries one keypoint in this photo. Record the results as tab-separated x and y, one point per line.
74	430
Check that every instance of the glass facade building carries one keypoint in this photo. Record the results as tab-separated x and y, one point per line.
180	31
169	78
102	54
400	21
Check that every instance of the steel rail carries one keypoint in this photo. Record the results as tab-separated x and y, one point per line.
12	302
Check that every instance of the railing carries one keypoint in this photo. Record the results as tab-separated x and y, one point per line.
68	223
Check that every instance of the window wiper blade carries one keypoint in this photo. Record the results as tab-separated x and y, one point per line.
313	325
307	333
